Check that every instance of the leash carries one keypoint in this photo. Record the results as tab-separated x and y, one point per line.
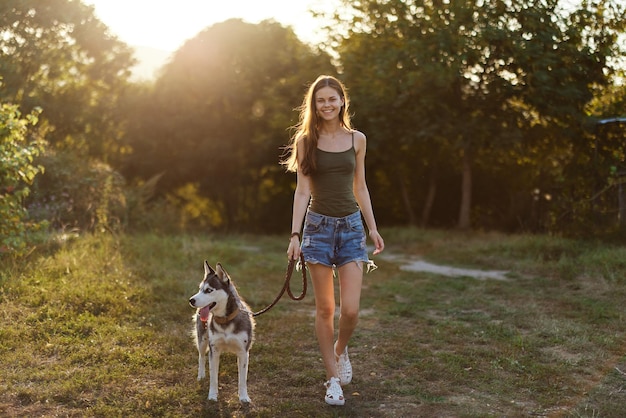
287	286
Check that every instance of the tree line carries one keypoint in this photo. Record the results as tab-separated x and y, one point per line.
478	113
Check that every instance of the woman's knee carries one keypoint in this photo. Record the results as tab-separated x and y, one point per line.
325	311
350	316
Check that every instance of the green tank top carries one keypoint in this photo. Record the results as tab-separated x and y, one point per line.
332	183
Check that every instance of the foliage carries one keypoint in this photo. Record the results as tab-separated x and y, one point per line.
145	212
486	89
58	56
75	193
218	116
18	148
609	102
100	327
477	113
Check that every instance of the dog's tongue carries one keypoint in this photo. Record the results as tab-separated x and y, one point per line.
204	313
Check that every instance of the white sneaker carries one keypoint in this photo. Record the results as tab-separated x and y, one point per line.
344	368
334	393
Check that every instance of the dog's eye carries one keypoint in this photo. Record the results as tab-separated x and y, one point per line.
208	290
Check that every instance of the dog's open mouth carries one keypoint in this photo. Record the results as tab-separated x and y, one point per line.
204	312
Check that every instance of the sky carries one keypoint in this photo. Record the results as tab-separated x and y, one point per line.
167	24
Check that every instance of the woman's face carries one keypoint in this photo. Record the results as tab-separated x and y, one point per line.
328	103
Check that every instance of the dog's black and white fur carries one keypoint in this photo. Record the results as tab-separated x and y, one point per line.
223	323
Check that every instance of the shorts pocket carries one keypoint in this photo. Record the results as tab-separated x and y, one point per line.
356	225
312	222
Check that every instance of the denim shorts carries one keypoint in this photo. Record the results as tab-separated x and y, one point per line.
333	242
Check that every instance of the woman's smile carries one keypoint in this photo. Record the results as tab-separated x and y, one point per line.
328	102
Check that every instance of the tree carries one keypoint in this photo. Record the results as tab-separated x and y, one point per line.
469	81
56	55
606	126
219	114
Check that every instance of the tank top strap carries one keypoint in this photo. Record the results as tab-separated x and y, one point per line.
352	139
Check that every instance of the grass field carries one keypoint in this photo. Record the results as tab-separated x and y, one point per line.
100	326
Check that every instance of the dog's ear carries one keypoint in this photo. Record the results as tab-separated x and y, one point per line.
222	274
207	269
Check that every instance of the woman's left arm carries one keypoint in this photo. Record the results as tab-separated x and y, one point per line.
362	194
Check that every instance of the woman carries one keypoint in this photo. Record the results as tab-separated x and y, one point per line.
330	197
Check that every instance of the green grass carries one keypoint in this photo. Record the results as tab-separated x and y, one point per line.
100	326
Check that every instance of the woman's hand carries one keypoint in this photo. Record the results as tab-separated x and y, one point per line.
378	242
293	251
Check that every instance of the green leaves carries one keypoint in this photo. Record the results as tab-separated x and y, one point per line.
16	173
432	81
58	56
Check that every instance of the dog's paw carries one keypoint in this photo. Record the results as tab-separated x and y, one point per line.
245	399
200	376
212	396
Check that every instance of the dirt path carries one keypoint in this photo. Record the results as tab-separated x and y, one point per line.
416	264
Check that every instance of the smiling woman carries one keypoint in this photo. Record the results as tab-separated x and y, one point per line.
166	25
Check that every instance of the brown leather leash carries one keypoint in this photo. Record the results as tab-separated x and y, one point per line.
287	285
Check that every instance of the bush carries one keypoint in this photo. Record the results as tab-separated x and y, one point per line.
76	193
146	211
17	173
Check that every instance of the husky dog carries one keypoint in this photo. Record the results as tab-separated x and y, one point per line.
223	323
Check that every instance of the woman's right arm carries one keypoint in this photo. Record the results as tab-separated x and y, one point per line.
301	198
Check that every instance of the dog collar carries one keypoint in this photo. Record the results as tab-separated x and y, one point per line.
226	319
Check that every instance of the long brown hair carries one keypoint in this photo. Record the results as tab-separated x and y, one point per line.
306	133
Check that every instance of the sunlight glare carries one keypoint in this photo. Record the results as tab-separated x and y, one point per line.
167	25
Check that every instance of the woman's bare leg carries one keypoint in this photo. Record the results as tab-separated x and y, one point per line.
323	286
350	282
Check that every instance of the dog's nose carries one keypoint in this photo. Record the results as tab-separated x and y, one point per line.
192	302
